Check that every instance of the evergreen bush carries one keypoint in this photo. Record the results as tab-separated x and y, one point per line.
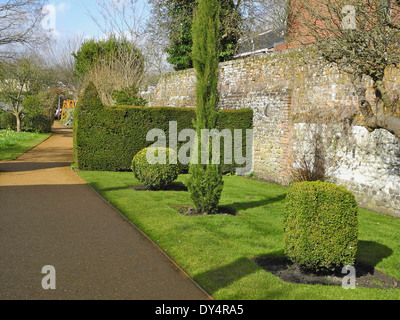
320	226
155	175
37	123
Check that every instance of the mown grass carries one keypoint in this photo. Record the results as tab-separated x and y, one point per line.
217	251
13	144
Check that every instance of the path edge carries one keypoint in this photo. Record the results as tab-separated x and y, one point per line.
174	263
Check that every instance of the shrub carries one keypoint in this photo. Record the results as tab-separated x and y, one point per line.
8	121
321	226
37	123
306	170
33	105
155	175
205	186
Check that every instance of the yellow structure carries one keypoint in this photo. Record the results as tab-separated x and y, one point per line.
67	105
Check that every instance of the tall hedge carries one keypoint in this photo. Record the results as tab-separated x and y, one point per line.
107	138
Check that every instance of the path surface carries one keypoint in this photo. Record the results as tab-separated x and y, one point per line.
50	216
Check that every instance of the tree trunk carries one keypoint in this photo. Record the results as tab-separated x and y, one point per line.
384	117
363	103
18	116
391	123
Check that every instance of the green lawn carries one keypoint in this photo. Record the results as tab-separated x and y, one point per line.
217	251
13	144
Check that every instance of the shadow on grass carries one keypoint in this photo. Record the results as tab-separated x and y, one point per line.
222	277
237	206
372	253
175	186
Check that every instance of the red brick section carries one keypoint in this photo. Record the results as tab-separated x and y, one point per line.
299	34
296	29
281	47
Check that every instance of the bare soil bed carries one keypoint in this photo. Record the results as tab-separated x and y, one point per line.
367	276
190	211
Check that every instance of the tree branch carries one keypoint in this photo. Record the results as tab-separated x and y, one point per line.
364	105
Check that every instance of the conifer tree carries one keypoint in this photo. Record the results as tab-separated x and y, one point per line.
205	183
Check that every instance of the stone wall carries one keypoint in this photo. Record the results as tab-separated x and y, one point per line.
371	169
281	86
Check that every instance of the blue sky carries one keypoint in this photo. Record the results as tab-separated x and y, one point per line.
72	17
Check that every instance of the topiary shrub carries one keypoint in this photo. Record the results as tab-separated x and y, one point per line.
320	226
155	173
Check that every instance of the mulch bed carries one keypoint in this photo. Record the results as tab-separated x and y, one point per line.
366	276
190	211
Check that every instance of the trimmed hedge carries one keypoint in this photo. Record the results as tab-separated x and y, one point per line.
321	226
107	138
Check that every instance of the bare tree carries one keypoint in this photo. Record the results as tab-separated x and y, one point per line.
20	24
130	19
126	18
58	56
122	69
362	38
264	15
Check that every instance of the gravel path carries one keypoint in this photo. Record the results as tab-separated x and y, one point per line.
50	216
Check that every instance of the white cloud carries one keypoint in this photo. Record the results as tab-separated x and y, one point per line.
63	7
49	23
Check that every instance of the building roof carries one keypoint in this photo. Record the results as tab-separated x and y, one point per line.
261	42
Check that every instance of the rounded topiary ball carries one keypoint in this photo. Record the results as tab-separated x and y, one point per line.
152	167
321	226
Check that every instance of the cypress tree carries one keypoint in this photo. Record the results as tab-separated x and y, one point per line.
205	183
